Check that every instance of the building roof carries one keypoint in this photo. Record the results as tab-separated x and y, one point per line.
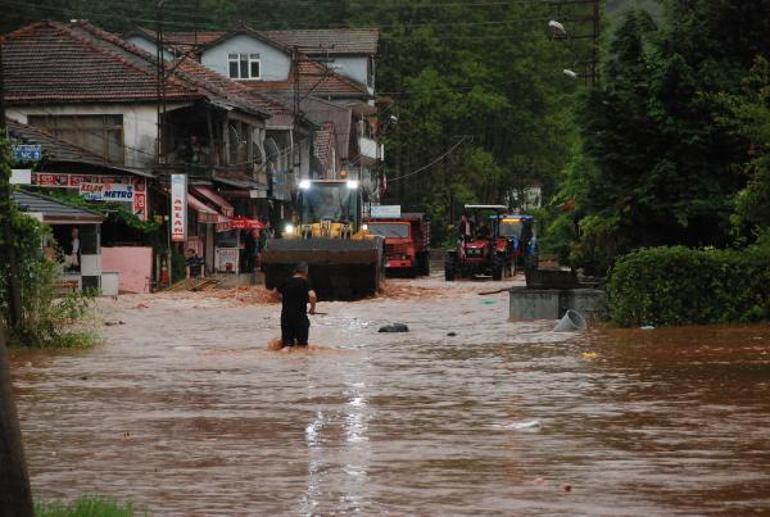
313	42
59	151
315	79
50	62
53	211
329	41
78	62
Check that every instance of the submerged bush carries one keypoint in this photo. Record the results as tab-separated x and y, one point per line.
85	507
683	286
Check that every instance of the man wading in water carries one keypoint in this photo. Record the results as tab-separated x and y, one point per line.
296	293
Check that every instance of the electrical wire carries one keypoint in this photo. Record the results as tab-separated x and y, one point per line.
431	164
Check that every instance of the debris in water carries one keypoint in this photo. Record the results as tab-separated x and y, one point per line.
589	355
394	327
451	334
141	306
647	327
568	488
525	425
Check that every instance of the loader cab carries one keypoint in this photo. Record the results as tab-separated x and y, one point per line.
330	203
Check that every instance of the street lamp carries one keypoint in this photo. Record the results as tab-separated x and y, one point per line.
557	28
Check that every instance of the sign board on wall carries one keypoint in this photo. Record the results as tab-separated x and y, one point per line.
386	211
118	192
178	207
73	181
27	153
21	176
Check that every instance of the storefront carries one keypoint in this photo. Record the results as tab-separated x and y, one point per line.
76	244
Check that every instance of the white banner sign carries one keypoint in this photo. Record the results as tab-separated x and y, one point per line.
120	192
178	207
21	176
386	212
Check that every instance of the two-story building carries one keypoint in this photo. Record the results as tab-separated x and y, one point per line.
91	88
327	76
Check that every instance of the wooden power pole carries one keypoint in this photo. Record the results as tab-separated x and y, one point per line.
15	493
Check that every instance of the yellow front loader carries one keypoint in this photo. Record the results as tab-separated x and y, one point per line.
346	262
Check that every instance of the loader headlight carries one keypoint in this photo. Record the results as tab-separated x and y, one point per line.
352	184
365	227
288	229
304	184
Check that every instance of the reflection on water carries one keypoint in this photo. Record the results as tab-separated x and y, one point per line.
196	417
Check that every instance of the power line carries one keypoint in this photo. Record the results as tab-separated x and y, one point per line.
432	163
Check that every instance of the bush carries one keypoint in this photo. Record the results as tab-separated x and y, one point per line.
85	507
683	286
46	319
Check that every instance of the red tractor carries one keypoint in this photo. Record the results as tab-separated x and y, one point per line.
480	250
406	243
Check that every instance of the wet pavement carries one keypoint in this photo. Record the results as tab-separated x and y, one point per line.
185	412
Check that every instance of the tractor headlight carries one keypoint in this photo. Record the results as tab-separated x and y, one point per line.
288	229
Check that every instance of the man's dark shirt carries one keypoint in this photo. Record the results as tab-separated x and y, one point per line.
295	294
196	265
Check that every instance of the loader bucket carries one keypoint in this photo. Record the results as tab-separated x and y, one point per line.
340	269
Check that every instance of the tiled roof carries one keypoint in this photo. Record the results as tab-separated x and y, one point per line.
56	150
314	79
53	62
53	210
107	66
329	41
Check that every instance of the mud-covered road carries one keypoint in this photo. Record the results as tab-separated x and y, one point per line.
184	412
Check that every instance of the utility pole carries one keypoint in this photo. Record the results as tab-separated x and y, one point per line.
6	209
161	113
15	492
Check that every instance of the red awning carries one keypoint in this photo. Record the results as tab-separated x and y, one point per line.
205	214
244	223
213	196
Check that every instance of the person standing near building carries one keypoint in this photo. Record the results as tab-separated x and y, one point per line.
195	265
72	259
296	293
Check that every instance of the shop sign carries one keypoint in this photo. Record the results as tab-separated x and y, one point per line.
119	192
27	153
118	187
178	207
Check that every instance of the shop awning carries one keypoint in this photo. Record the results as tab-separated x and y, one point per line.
213	196
205	214
244	223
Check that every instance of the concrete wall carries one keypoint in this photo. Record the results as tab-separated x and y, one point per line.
149	46
134	264
352	67
274	63
139	125
552	304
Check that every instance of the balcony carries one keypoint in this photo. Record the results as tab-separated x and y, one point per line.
371	151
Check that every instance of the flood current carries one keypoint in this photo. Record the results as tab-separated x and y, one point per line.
184	412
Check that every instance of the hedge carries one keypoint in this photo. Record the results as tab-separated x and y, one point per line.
682	286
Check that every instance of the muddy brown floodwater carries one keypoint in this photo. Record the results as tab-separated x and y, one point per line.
184	412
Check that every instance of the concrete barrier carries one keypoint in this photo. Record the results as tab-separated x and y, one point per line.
553	304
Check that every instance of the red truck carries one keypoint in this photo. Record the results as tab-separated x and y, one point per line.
406	243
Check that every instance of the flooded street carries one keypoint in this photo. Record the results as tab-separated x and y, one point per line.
184	412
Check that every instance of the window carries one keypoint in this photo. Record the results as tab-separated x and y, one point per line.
100	134
244	66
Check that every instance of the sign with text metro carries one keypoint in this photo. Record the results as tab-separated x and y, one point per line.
178	208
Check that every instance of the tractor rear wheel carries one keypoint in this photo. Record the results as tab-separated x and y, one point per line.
450	268
497	269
